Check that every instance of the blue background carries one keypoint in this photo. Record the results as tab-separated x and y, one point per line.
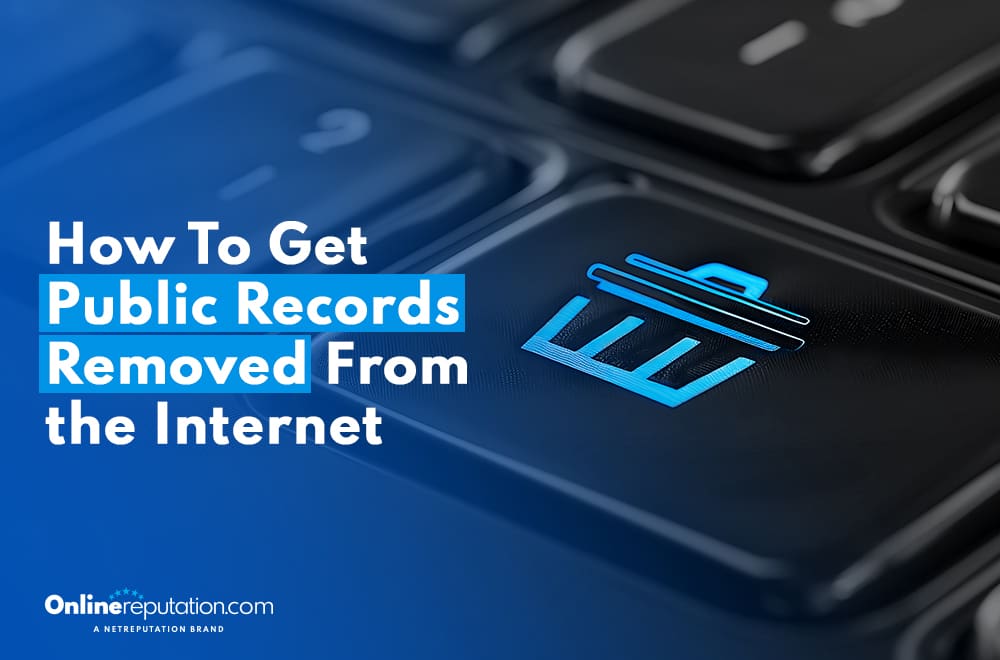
359	563
169	348
226	310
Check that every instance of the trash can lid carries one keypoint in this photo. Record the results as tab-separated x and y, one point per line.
714	296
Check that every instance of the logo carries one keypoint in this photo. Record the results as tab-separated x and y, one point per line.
193	614
714	297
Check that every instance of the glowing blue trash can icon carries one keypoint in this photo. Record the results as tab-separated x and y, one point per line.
714	296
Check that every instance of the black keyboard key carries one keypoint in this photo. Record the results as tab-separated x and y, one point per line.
799	88
65	62
966	200
445	23
249	143
790	437
987	628
423	21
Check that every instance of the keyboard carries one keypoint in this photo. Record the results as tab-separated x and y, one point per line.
733	268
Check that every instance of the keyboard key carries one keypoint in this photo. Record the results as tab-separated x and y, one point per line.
965	624
66	61
444	23
423	21
782	419
797	88
50	40
987	628
966	201
249	143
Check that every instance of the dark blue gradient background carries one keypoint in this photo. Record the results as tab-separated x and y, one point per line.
359	563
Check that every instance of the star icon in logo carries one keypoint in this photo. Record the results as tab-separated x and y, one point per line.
126	592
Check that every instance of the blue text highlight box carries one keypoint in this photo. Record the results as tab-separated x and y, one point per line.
280	350
442	298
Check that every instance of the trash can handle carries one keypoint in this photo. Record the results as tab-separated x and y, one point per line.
753	286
